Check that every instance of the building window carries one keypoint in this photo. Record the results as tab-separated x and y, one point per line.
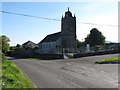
49	45
45	46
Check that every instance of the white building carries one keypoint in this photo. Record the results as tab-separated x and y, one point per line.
51	43
29	44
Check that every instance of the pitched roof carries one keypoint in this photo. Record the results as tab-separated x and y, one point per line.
51	37
29	42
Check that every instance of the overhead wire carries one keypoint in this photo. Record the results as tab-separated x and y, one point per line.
30	15
55	19
99	24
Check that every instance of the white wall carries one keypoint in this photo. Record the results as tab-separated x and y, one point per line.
49	46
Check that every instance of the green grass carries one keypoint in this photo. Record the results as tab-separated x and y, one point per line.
13	77
111	60
41	58
72	54
34	58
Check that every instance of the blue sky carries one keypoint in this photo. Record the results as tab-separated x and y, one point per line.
21	29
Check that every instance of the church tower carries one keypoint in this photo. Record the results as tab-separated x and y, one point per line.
68	31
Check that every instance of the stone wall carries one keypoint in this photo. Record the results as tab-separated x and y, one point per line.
32	54
96	53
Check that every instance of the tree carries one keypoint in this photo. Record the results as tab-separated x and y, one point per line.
12	48
79	43
95	38
4	43
18	45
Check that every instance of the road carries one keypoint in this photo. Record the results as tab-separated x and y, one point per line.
70	73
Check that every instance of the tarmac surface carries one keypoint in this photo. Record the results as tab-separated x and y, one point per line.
70	73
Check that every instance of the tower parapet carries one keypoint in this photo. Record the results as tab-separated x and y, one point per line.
68	29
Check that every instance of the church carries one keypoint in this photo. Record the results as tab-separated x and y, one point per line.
64	41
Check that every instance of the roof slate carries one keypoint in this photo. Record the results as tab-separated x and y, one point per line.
29	42
51	37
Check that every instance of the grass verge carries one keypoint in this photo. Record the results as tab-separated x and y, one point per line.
34	58
13	77
72	54
109	61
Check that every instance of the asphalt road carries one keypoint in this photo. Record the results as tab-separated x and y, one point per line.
71	73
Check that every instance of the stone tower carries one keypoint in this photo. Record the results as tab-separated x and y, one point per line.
68	31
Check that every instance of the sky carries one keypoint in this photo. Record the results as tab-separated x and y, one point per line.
20	29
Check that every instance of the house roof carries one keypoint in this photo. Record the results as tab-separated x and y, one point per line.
51	37
29	42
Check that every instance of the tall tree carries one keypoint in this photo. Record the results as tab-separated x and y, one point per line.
4	43
79	43
18	45
95	38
